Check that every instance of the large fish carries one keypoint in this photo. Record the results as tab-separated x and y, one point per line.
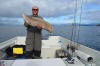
37	22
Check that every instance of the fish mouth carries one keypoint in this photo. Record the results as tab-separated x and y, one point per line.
23	15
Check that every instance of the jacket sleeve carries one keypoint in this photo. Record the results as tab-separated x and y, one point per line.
26	24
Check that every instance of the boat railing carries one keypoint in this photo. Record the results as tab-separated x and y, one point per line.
7	43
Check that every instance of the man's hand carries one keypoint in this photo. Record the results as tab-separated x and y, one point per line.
39	27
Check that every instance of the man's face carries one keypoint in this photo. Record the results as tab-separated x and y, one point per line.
35	11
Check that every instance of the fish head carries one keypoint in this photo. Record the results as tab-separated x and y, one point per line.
25	17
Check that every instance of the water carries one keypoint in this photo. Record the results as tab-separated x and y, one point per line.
89	35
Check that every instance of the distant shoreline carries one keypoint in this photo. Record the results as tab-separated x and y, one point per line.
53	24
98	25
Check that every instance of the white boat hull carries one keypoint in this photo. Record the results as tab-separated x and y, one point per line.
50	46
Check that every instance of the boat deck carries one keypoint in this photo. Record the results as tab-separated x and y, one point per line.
41	62
48	51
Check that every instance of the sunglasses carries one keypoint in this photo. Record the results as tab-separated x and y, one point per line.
34	9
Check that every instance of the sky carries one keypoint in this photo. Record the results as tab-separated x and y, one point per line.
53	11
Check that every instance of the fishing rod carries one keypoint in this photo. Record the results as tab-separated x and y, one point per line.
80	23
73	35
73	30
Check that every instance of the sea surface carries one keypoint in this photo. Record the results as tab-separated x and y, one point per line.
88	35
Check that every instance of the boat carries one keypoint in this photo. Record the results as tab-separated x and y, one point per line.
54	52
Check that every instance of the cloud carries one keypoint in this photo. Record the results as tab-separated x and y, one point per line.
96	1
93	16
48	8
6	20
51	10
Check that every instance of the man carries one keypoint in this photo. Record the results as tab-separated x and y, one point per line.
33	39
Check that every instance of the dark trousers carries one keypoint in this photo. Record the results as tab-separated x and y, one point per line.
32	54
33	43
